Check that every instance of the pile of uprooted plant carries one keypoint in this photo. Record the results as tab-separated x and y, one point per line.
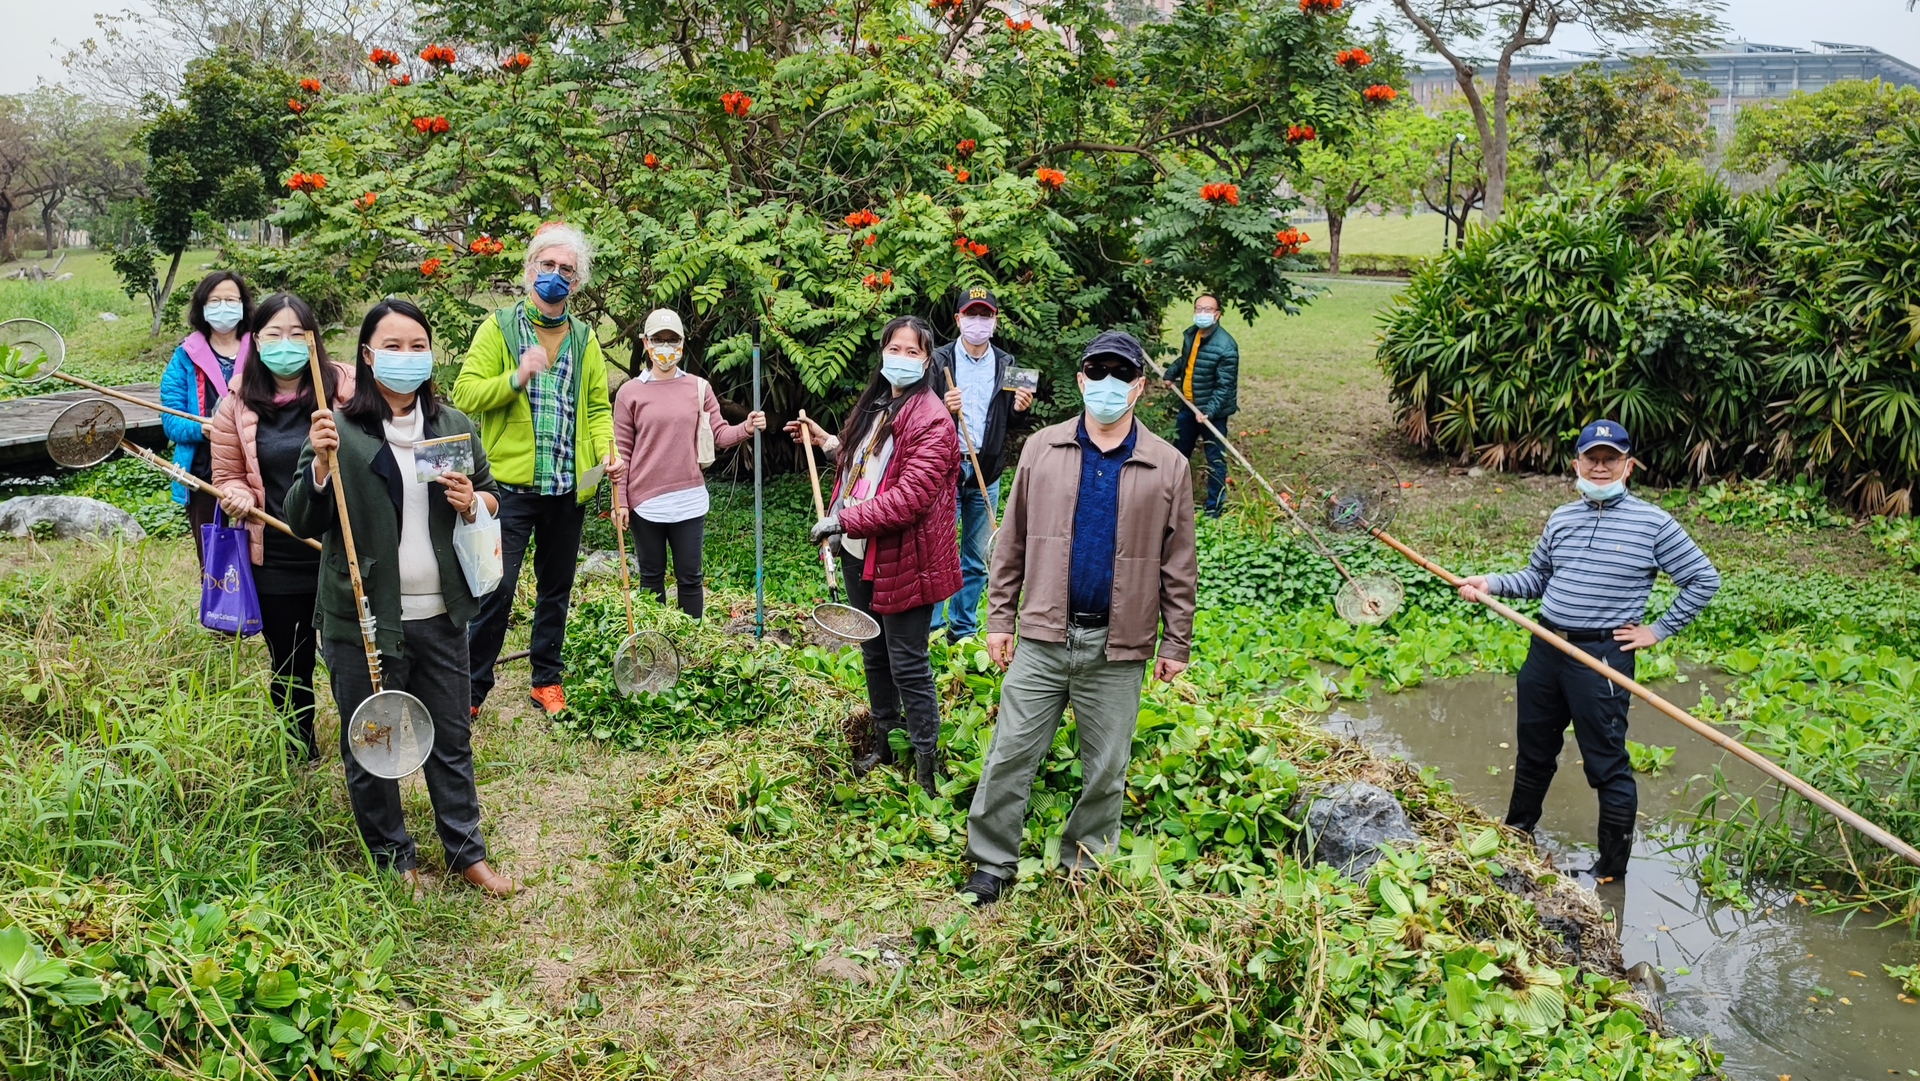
718	895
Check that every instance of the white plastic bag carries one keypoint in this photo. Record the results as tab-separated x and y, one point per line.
477	545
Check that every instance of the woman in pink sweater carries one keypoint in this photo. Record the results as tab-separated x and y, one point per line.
658	417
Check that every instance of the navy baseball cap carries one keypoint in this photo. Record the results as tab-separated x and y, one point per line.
1604	433
1114	349
978	295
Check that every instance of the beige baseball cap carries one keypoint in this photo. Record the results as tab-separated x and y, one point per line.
664	319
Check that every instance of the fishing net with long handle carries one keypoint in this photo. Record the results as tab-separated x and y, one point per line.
1352	498
87	433
979	478
391	732
842	621
645	662
32	351
1367	599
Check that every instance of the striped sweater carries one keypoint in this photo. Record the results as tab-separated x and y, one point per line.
1596	562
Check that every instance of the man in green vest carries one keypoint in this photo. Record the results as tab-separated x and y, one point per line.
535	380
1207	373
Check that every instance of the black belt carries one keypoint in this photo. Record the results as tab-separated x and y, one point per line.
1088	619
1573	634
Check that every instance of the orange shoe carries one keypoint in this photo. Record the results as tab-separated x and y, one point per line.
551	699
473	713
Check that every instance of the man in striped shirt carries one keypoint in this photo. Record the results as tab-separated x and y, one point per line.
1593	569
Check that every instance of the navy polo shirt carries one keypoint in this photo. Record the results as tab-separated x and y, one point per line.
1096	522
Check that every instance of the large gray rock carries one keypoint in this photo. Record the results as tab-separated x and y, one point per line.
1347	823
67	517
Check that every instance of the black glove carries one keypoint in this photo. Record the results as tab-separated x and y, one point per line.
824	528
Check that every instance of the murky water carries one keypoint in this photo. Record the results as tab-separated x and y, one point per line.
1744	979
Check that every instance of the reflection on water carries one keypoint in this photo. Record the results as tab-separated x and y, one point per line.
1744	979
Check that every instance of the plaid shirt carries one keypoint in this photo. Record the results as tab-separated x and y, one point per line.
551	396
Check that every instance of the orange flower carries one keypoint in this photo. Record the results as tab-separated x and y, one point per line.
964	147
1221	193
651	161
311	86
423	124
486	245
871	240
400	80
1301	133
365	202
735	103
977	249
1050	178
430	267
296	106
1353	58
306	182
516	63
1321	7
440	56
1379	94
860	219
1289	242
962	175
1020	27
440	125
383	58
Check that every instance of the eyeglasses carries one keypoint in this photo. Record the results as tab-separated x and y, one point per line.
565	270
1105	365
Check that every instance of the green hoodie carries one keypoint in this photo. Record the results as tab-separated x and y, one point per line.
484	390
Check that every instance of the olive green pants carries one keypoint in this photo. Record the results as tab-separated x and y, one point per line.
1043	680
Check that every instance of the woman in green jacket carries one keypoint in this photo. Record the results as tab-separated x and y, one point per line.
403	534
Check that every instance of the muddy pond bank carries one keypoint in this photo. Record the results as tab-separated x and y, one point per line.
1776	989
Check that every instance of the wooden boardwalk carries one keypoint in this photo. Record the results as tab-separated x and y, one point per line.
24	421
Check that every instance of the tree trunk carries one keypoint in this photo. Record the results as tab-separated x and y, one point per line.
1335	221
6	237
1496	197
166	290
46	225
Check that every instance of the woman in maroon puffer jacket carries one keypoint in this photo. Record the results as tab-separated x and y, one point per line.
892	519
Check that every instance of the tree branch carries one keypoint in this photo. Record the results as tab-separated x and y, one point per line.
1092	148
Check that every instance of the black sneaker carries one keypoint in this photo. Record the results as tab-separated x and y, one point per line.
984	888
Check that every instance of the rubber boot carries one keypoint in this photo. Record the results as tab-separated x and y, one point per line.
1616	845
881	753
1529	797
926	771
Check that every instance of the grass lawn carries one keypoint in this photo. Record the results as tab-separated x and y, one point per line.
1386	234
107	351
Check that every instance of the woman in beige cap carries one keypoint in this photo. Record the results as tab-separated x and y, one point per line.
666	426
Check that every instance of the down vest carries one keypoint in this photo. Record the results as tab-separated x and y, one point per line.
913	554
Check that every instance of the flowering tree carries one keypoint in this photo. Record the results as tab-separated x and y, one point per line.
796	177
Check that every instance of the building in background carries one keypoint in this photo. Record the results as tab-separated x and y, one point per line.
1742	73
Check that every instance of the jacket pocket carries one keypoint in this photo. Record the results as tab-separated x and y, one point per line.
1046	585
1135	615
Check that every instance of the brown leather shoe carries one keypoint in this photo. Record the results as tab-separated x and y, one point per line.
492	881
415	884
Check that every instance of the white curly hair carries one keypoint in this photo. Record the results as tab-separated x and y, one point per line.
560	235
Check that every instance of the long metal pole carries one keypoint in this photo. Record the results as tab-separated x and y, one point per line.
1446	230
1699	727
759	518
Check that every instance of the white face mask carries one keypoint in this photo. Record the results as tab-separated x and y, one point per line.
1599	493
977	329
222	315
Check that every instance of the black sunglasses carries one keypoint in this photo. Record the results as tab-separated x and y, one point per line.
1106	364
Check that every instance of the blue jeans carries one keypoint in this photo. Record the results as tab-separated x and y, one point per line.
961	614
1191	431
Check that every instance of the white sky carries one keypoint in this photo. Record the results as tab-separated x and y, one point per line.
34	26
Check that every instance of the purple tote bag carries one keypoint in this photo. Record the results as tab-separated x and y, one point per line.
228	603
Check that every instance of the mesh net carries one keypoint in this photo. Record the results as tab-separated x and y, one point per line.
1370	598
845	622
390	734
86	433
29	350
1348	499
646	663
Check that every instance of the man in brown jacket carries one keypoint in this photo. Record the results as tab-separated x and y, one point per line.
1094	564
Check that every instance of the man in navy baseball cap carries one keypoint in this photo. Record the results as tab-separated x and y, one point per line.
1593	570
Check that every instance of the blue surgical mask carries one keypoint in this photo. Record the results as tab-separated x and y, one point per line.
1107	399
551	287
1203	320
902	370
402	373
222	315
1599	493
286	358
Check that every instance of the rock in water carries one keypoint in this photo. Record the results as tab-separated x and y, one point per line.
1347	823
64	517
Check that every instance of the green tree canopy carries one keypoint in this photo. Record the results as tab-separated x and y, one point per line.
1828	124
1584	123
1385	163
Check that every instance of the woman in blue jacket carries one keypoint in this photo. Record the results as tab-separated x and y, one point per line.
197	378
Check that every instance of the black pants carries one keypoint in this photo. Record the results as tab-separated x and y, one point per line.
552	523
1189	432
286	622
434	671
650	543
899	673
200	508
1553	691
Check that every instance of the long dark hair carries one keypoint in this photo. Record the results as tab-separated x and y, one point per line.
368	405
878	404
197	319
257	386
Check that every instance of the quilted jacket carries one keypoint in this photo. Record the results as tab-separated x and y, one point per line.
913	553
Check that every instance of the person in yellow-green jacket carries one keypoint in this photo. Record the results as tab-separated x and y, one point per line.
535	380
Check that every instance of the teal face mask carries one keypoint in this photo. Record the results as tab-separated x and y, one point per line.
283	358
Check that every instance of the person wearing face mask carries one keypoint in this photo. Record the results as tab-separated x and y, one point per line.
403	534
1207	374
1094	575
257	436
535	380
973	371
197	378
1593	570
658	419
896	466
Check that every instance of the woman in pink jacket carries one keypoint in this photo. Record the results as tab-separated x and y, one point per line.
256	437
892	516
657	420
